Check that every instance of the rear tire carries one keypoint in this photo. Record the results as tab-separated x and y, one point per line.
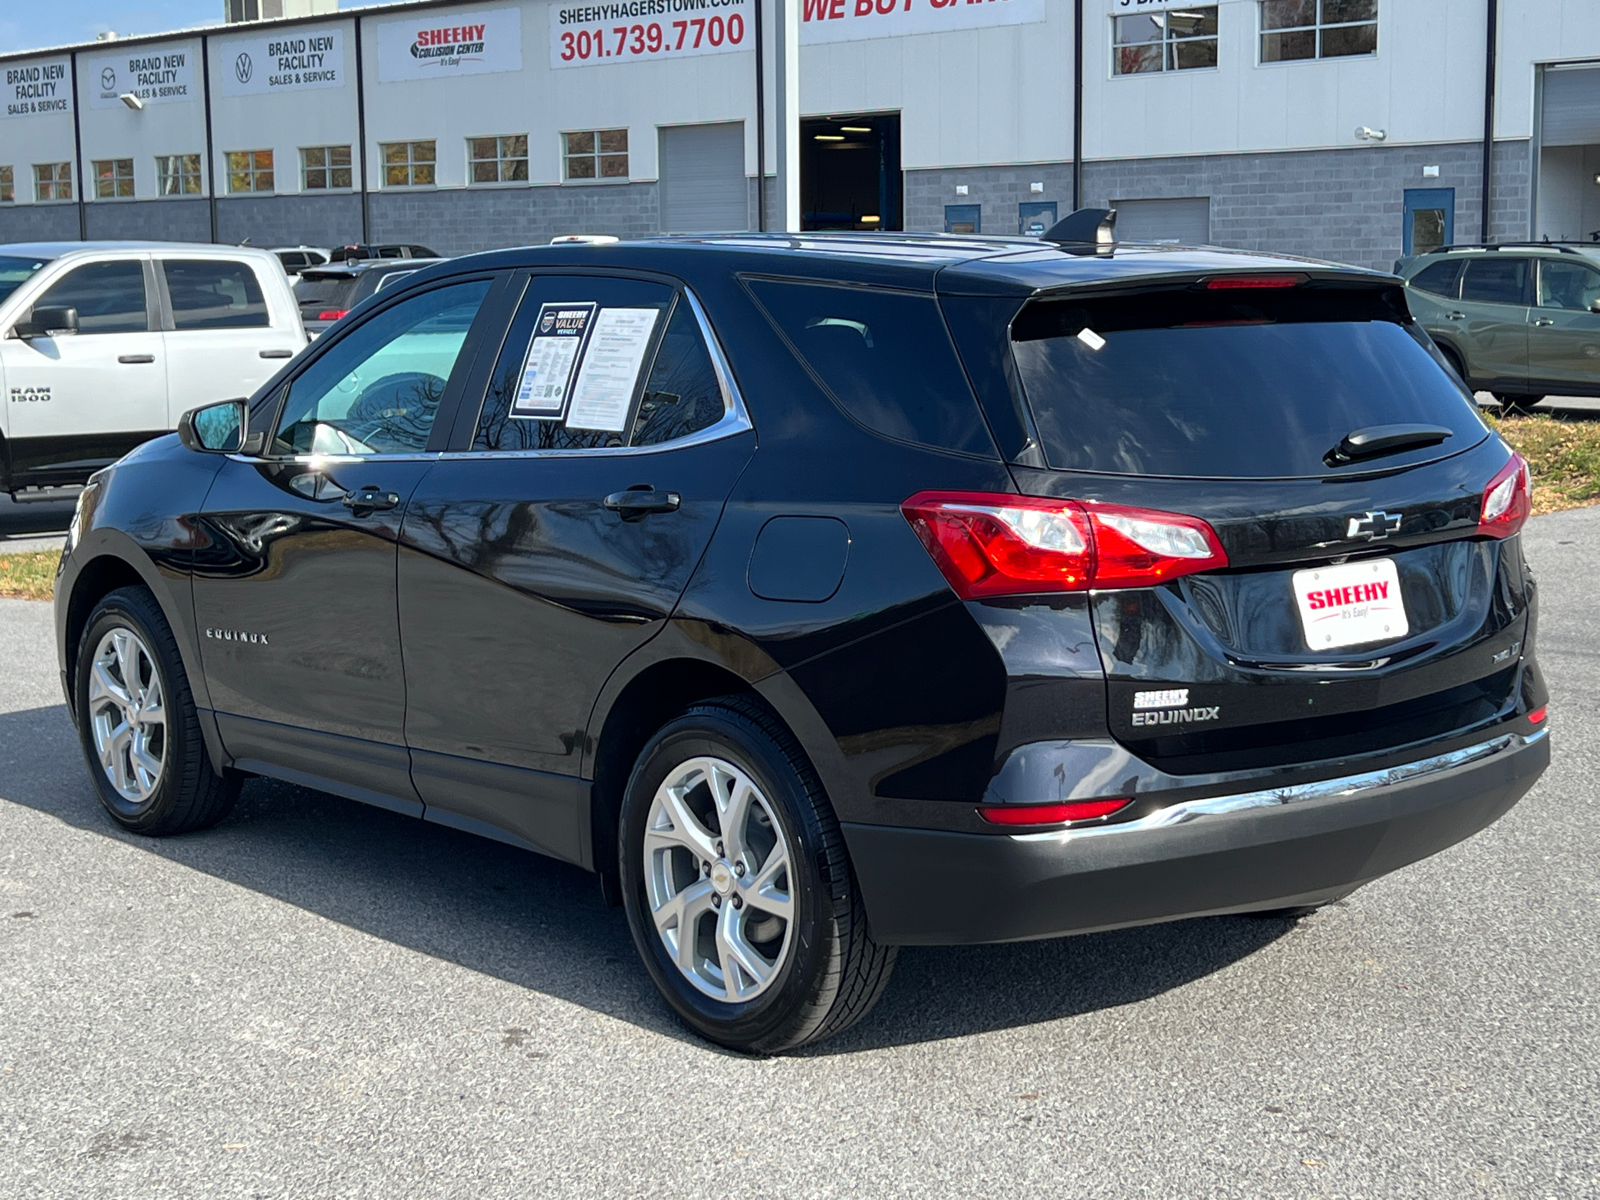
737	885
138	724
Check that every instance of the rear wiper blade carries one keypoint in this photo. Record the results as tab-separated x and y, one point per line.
1376	440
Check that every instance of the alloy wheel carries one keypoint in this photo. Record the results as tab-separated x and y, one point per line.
718	880
127	714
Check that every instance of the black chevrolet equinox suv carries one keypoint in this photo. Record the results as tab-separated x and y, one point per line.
826	595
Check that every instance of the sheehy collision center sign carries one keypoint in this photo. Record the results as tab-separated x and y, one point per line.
293	62
583	34
38	88
156	76
446	42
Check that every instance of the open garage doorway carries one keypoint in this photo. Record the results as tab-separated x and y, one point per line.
850	172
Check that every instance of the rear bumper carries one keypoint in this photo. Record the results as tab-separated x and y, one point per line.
1241	853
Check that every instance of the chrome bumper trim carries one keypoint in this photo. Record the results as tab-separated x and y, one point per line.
1326	789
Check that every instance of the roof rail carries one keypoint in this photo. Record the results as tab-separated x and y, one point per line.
1563	247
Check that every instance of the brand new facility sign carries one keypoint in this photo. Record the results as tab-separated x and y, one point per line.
38	89
444	43
160	75
294	61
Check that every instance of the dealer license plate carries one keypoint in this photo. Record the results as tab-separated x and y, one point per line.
1351	604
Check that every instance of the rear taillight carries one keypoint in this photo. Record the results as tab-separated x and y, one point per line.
1537	716
1051	814
331	314
998	545
1507	499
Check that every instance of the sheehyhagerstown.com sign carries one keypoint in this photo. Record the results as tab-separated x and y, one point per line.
38	89
446	43
155	76
294	62
583	34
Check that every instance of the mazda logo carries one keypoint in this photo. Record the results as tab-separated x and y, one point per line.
108	79
243	68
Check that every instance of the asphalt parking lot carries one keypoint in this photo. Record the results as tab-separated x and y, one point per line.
319	999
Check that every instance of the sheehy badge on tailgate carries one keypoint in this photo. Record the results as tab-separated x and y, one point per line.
1351	604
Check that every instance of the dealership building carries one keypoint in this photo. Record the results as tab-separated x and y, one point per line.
1346	129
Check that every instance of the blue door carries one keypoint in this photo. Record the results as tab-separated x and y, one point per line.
963	218
1430	219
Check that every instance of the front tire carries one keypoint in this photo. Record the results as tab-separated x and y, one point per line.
138	724
737	886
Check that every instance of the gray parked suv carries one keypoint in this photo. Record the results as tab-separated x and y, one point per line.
1521	320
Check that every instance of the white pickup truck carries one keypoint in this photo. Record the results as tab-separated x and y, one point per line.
104	345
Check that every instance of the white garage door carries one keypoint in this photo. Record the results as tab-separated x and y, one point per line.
1571	106
703	187
1187	220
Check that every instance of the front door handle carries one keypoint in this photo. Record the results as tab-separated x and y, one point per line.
1544	321
367	500
1455	316
277	354
640	500
136	358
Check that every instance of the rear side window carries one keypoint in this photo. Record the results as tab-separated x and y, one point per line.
1209	384
323	293
210	294
109	297
391	277
1440	278
1495	279
681	395
884	357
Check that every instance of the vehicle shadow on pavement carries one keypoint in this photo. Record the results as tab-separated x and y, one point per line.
541	924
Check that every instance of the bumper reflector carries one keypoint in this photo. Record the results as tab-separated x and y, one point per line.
1537	716
1051	814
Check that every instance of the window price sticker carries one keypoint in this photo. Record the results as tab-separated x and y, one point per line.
558	337
604	391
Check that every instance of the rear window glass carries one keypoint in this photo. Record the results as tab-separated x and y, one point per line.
324	292
1440	278
886	359
1208	384
214	295
1497	280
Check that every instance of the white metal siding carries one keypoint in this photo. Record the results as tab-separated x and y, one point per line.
703	188
1187	220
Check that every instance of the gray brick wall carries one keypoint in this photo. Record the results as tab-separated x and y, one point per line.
464	220
290	220
38	223
149	220
1344	205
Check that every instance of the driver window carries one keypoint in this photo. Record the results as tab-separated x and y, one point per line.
1568	285
378	390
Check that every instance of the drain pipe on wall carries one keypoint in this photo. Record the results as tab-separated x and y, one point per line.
211	152
1491	44
1077	104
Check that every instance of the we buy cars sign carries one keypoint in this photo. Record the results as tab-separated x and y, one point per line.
583	35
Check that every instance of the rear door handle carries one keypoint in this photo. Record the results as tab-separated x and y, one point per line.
1455	316
636	502
136	358
277	354
367	500
1544	321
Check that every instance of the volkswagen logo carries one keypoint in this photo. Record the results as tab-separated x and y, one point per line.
243	68
108	80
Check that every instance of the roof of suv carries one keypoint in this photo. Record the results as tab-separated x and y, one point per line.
63	249
981	265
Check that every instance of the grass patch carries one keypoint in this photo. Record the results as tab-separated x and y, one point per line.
29	576
1564	455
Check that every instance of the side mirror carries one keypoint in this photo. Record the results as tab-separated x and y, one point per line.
216	428
52	321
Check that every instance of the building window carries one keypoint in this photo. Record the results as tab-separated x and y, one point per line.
250	170
177	174
498	159
8	186
1178	39
409	164
1298	29
113	177
244	10
324	167
597	154
52	181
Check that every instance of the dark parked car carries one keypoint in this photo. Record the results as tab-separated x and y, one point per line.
831	595
326	293
363	250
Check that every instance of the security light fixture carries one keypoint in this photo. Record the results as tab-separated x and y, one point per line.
1366	133
1431	171
961	189
131	100
1036	189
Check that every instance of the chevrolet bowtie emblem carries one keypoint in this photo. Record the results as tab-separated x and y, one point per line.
1374	526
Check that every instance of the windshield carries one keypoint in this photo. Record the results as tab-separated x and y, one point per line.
14	272
323	293
1197	383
